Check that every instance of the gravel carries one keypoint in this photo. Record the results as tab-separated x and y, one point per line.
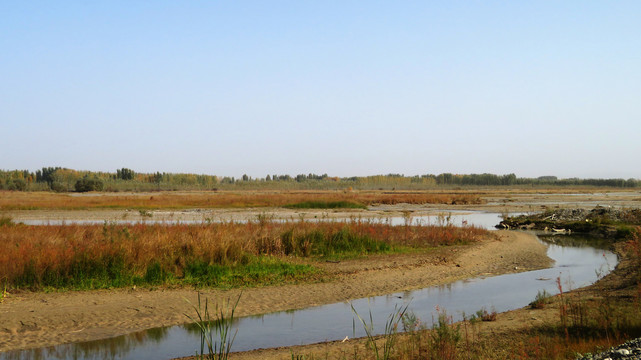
629	350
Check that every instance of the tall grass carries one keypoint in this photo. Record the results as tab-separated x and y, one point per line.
389	334
214	254
216	338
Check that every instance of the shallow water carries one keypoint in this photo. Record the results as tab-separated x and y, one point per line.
576	266
482	219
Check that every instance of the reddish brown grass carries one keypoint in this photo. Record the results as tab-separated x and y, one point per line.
37	251
174	200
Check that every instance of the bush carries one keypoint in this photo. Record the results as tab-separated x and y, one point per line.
89	184
17	185
59	187
542	298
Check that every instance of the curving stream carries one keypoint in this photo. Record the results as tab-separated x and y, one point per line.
577	264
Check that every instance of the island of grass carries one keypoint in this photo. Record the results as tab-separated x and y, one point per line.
221	255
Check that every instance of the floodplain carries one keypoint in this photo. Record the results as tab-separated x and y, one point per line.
144	254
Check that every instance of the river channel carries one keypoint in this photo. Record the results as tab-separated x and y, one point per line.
577	263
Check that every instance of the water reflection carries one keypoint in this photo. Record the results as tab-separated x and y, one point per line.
119	347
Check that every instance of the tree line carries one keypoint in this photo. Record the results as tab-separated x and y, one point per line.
65	180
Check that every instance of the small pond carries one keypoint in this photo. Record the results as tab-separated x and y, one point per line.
578	263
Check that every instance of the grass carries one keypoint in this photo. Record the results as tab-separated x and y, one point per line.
208	254
11	200
389	334
216	338
261	270
542	299
6	221
326	205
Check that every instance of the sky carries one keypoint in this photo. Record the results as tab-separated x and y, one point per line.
347	88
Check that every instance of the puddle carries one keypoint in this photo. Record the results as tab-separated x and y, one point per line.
577	263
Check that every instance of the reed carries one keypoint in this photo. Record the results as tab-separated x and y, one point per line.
216	338
389	334
207	254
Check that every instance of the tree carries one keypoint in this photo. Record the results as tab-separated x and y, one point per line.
125	174
46	174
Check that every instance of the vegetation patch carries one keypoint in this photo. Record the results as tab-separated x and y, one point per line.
208	254
12	200
341	243
257	271
326	205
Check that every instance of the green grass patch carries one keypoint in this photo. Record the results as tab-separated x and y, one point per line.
105	273
84	273
326	205
262	270
6	221
338	244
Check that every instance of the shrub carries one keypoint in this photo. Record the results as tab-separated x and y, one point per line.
17	185
89	184
58	187
542	298
6	221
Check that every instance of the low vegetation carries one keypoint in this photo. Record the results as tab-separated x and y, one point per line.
326	205
542	299
216	336
207	254
582	322
220	199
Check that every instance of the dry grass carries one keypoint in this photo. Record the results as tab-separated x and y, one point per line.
177	200
95	256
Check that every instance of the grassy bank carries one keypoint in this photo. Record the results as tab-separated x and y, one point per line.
575	322
221	255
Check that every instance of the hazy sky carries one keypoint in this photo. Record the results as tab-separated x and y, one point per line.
339	87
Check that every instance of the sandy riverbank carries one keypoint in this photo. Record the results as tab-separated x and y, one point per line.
44	319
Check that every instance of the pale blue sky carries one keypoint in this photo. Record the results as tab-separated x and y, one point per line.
339	87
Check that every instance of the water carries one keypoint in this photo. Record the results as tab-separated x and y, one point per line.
577	265
482	219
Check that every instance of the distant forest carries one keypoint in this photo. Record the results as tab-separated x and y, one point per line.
67	180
